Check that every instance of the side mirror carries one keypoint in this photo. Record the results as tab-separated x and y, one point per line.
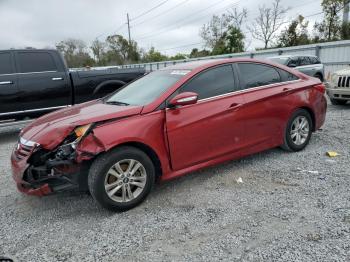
292	65
183	99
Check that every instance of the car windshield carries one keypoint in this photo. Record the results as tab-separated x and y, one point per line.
280	60
146	89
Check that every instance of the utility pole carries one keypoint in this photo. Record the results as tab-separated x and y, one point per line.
127	17
346	12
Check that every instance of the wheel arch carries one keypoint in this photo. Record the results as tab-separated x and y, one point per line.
319	75
149	151
312	114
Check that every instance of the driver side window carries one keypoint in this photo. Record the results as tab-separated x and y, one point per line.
213	82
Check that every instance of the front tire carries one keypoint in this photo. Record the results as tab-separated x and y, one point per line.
121	179
338	102
298	131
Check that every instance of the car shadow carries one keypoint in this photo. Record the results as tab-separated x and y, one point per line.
77	204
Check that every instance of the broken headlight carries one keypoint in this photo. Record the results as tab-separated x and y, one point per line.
67	148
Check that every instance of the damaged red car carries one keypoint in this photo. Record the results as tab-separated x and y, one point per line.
166	124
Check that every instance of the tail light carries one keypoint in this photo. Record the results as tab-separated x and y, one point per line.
321	88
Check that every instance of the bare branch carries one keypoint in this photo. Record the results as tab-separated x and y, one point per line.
268	22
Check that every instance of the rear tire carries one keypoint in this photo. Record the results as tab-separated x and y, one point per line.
338	102
121	179
298	131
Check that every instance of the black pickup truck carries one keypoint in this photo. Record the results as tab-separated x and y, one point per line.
34	82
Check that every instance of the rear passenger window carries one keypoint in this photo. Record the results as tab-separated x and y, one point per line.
304	61
36	62
314	60
213	82
6	63
254	75
286	76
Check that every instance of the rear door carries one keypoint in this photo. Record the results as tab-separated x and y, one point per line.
8	85
266	93
42	81
211	128
306	66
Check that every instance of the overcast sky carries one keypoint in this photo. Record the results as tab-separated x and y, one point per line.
43	23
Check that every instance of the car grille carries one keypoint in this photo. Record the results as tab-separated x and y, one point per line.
344	81
24	148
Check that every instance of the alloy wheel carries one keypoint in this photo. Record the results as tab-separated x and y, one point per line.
125	180
300	130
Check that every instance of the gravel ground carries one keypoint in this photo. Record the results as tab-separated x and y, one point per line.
290	207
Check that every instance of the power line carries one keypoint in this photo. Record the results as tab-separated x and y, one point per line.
175	25
140	15
106	32
163	13
150	10
181	46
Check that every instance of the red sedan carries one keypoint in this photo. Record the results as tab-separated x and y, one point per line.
166	124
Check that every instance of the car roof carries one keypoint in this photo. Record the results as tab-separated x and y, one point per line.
202	64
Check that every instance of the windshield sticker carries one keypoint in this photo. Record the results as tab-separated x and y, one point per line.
180	72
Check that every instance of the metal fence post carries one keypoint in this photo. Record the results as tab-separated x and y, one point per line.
317	51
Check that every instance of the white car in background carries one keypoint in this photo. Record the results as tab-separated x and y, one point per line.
307	64
338	87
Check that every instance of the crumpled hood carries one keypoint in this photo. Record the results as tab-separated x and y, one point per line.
53	128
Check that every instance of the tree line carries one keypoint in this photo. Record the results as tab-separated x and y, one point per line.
223	34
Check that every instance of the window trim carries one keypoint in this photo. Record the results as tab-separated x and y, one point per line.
243	91
164	104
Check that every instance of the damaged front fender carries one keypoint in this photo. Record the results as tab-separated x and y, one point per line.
88	148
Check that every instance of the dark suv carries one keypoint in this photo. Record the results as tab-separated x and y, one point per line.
309	65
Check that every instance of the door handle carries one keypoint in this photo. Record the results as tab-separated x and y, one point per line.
6	83
286	89
57	79
234	106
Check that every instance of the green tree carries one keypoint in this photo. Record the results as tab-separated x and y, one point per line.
120	51
214	32
195	53
345	31
153	56
98	49
178	57
234	40
75	53
295	34
330	28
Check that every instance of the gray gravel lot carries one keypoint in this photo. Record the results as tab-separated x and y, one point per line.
290	207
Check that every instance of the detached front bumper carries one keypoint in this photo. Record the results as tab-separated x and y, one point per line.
19	168
334	92
49	177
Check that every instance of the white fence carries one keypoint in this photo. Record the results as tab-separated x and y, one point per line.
334	55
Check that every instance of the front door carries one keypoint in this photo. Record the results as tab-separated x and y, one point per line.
211	128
